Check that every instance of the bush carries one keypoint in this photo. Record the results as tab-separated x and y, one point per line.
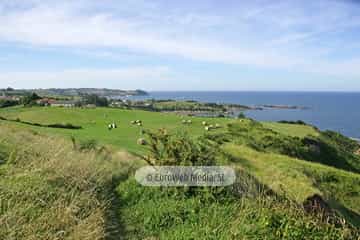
241	115
8	103
30	100
179	150
66	125
55	125
342	141
298	122
95	99
328	148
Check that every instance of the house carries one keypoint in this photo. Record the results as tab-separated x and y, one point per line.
63	104
9	98
90	106
45	101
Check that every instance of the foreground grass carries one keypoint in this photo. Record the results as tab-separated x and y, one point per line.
49	190
246	210
299	180
158	213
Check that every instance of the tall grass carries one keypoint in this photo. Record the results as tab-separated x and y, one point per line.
153	213
247	210
49	190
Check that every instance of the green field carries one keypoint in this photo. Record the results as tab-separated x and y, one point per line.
292	129
95	121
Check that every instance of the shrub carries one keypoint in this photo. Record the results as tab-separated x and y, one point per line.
55	125
342	141
30	100
298	122
328	148
179	150
8	103
95	99
66	125
241	115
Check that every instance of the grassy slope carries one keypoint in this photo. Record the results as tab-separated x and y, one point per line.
153	213
95	121
48	190
293	130
296	178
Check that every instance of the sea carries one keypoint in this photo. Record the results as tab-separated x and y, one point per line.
336	111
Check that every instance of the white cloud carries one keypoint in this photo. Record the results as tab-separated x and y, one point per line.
56	27
260	36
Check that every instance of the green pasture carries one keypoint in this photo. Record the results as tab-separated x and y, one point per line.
95	123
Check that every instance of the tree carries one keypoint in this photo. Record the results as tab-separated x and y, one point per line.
7	103
30	99
95	99
241	115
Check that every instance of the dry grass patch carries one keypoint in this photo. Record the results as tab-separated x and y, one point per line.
49	190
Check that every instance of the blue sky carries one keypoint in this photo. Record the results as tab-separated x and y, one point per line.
181	45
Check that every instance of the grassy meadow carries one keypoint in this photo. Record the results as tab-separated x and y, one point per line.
293	130
95	123
52	187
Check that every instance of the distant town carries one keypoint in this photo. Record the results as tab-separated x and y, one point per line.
95	97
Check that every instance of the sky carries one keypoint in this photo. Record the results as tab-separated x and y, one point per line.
167	45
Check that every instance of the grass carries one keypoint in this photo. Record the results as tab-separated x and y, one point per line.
292	130
49	190
95	121
187	106
52	188
328	148
299	180
153	213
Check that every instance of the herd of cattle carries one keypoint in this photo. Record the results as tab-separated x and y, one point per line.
142	141
139	123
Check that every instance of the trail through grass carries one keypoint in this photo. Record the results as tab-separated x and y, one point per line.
49	190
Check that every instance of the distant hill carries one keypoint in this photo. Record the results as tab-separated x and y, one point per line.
104	92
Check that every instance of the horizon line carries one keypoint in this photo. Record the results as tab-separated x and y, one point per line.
202	90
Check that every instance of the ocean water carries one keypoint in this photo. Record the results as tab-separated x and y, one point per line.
335	111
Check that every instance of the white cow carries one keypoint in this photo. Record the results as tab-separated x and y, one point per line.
112	126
